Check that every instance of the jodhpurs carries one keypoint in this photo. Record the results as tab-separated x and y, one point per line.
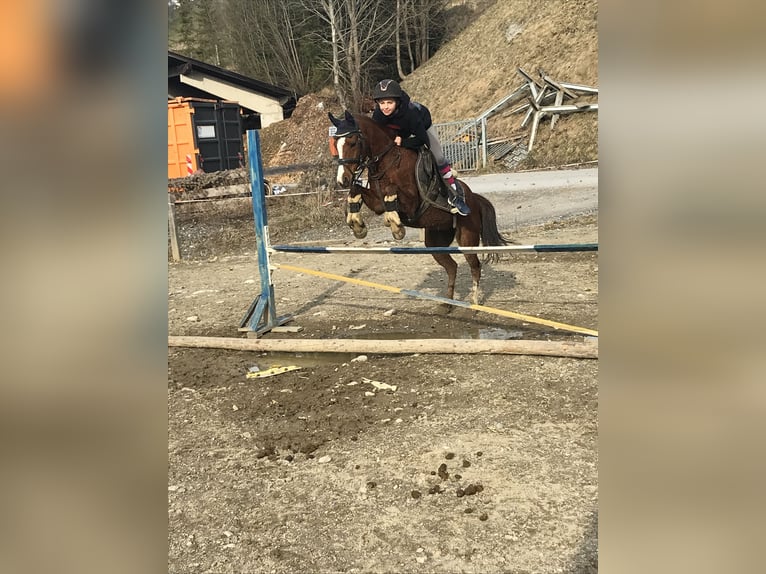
435	146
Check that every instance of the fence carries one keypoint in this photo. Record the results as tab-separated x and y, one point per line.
461	143
467	147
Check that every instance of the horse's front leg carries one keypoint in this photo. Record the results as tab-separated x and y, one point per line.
354	215
475	265
450	266
391	216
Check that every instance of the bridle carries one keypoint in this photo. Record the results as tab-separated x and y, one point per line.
364	161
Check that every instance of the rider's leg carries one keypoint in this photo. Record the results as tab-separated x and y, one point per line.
456	197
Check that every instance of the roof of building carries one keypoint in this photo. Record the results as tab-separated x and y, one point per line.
179	64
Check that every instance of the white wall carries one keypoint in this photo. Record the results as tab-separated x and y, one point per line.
269	108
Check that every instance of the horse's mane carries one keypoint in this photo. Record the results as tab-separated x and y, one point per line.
368	122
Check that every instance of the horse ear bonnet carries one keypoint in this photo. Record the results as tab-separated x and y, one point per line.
344	126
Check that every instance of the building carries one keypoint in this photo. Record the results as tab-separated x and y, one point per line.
261	104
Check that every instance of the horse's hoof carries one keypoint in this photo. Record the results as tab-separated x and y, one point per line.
360	233
399	233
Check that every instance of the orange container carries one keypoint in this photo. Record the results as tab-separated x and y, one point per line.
182	153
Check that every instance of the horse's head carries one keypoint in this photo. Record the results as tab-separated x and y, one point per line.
349	143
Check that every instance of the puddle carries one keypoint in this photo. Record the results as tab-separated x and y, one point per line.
494	333
497	334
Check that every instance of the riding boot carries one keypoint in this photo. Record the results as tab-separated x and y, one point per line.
456	195
456	199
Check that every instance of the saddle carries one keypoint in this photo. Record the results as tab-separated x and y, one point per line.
431	186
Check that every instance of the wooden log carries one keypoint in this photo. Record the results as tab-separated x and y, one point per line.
533	130
559	101
578	349
557	85
579	88
570	108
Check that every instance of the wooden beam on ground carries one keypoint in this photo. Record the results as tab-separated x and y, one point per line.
577	349
569	108
513	97
559	101
533	130
522	107
533	85
579	88
557	85
535	104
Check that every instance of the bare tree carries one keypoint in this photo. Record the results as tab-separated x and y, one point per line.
270	40
358	31
419	21
399	20
328	12
301	44
248	43
281	25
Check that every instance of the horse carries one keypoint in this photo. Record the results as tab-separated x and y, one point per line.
405	199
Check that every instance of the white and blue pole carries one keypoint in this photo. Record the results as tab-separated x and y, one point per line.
261	316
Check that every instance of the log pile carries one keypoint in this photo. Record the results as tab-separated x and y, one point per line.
545	98
196	185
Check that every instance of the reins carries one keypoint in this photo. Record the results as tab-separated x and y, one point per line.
365	164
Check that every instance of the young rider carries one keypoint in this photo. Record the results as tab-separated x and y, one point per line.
411	122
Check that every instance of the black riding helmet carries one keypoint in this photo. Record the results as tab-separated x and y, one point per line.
386	89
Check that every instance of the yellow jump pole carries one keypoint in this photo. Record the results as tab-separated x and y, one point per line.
456	303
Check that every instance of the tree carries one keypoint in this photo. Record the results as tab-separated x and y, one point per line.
271	40
419	29
357	30
195	29
303	45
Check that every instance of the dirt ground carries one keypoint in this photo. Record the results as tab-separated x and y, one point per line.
474	463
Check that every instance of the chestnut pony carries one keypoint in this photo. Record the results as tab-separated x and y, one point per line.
365	146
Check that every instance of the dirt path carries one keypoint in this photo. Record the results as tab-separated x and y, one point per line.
523	199
481	463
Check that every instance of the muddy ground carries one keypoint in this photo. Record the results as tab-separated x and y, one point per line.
475	463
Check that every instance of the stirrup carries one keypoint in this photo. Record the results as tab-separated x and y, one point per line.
458	205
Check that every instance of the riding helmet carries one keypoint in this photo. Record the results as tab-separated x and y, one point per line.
386	89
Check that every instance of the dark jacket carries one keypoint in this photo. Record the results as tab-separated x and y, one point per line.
410	121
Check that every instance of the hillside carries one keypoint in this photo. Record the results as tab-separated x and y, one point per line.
476	69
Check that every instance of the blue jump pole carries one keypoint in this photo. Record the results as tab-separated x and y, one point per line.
564	247
261	316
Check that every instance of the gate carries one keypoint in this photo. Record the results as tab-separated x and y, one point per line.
461	143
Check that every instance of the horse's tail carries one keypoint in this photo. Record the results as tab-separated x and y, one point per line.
490	234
